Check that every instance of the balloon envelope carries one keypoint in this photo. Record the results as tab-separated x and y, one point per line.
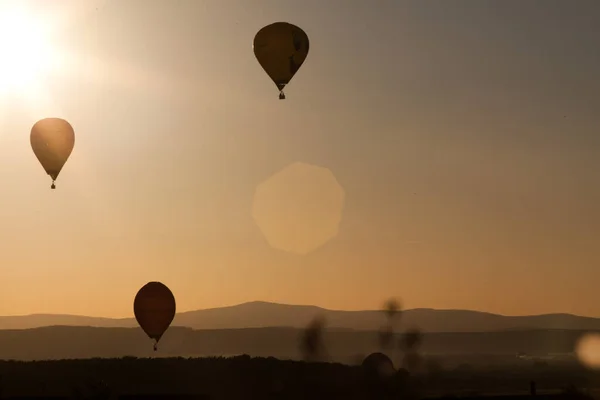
281	49
52	141
378	366
154	309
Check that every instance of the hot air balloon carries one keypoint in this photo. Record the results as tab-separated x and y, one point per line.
52	141
378	366
281	49
154	309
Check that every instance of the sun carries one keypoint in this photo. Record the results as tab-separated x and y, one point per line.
25	53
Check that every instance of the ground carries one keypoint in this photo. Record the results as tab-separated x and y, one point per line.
244	377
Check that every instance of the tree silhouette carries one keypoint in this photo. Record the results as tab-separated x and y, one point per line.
411	340
400	382
409	344
392	310
386	335
311	343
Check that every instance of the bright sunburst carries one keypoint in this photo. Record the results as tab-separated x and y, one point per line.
26	54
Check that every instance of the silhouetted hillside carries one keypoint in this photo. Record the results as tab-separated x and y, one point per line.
41	320
261	314
266	378
342	346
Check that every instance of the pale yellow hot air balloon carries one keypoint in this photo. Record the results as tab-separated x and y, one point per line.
281	49
52	141
154	309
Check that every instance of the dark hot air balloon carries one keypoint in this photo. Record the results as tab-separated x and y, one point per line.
378	366
281	49
52	141
154	309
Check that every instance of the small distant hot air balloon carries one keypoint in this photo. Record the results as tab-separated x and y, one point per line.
52	141
378	366
154	309
281	49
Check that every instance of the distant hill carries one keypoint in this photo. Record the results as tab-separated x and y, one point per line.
58	342
262	314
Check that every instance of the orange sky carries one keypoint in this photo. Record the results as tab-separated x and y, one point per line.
464	137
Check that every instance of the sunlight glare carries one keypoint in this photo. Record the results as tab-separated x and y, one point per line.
26	54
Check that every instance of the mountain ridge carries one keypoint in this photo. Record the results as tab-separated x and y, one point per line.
261	314
270	303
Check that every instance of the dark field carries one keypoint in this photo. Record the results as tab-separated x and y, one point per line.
268	378
68	342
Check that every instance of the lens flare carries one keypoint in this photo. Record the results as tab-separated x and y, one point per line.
588	350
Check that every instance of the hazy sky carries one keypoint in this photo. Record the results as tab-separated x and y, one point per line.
465	135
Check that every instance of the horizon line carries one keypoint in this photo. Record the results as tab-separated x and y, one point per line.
299	305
